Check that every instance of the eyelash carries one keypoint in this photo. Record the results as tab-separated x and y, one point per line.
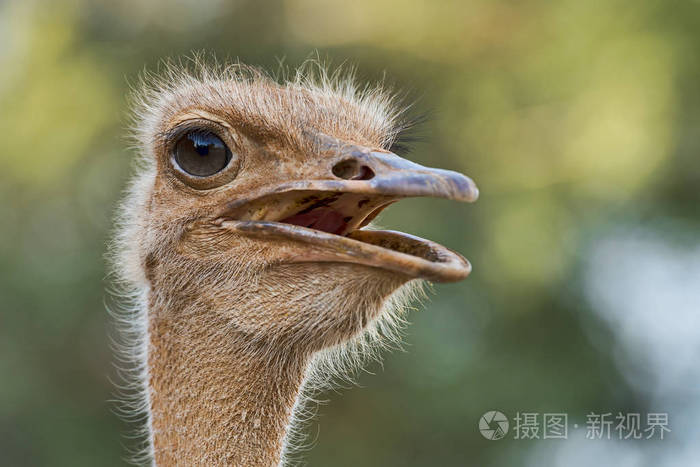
409	134
173	135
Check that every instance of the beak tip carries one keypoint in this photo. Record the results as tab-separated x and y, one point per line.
469	192
474	195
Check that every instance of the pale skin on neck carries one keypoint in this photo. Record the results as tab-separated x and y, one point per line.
219	406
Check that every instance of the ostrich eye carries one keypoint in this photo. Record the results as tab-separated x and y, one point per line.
201	153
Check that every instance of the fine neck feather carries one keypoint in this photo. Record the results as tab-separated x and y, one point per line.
215	401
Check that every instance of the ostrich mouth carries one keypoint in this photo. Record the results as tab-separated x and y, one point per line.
325	218
328	221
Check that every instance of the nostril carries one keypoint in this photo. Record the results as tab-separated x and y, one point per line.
365	174
346	169
350	169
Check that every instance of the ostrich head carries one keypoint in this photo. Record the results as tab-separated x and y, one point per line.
258	196
247	230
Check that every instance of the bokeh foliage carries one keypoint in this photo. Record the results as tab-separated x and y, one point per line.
573	117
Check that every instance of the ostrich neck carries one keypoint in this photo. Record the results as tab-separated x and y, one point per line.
212	400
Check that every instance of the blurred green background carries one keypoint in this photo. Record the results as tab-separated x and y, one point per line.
579	120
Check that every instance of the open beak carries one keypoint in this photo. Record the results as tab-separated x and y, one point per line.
322	217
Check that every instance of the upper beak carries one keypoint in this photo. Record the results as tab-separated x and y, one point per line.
385	173
377	175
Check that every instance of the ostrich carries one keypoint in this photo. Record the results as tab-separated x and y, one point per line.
244	242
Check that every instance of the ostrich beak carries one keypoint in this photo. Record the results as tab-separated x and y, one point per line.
387	174
325	212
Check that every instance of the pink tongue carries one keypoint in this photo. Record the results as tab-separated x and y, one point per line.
323	218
